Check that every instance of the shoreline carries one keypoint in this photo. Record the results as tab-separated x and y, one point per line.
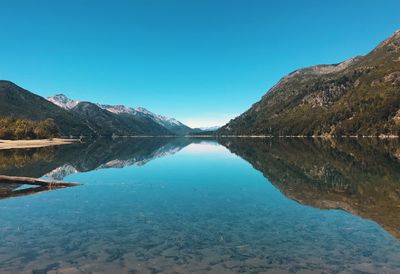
382	136
15	144
11	144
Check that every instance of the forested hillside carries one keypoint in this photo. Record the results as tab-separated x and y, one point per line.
360	96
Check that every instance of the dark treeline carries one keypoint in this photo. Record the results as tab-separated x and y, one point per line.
16	129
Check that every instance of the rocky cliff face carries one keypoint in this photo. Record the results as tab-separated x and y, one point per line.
360	96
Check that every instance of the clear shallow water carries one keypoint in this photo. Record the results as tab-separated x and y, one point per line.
182	207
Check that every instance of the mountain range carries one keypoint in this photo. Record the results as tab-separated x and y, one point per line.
79	118
360	96
171	124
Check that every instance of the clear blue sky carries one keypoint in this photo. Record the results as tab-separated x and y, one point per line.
201	61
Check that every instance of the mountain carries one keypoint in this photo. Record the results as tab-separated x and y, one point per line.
63	101
20	103
139	114
106	123
73	117
203	131
360	96
214	128
171	124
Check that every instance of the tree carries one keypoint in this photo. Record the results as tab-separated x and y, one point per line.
12	128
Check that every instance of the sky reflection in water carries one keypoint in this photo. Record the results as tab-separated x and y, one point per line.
193	206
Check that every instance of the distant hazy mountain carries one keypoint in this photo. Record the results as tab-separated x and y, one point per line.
139	113
209	128
203	131
360	96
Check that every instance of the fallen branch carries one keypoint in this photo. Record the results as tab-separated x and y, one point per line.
26	191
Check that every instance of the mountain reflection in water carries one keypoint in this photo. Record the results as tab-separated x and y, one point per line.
58	162
200	208
360	177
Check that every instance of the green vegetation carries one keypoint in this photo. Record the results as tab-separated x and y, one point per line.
17	129
357	97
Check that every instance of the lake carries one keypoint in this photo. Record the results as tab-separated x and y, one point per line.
181	205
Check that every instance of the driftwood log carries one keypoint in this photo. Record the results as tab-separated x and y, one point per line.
26	191
34	181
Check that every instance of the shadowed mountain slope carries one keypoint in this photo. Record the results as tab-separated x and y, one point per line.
20	103
80	118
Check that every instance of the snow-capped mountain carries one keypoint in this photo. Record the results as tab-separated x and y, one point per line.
167	122
171	124
162	120
62	101
117	109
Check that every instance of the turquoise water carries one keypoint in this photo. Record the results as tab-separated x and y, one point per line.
187	207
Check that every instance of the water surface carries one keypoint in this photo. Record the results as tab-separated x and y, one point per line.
164	205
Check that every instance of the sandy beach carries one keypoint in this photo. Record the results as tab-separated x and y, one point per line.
9	144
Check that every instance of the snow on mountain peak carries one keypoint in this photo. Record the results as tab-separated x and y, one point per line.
117	109
165	121
62	101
